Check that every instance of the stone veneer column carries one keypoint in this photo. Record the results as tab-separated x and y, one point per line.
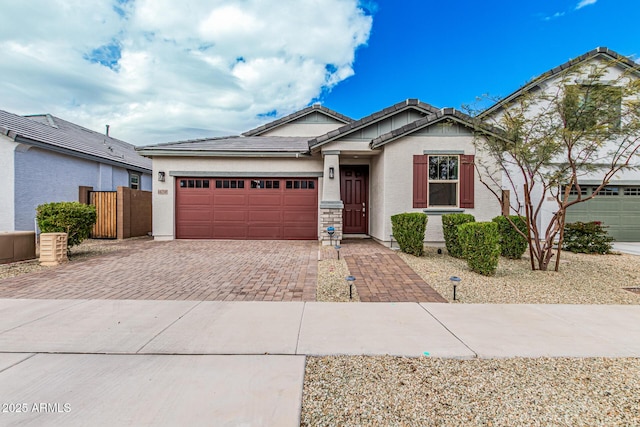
331	206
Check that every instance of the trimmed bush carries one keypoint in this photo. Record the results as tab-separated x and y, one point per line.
72	218
481	246
587	238
450	223
512	244
408	230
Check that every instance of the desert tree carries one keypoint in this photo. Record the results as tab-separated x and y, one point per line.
584	124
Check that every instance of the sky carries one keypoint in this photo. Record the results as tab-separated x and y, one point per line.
160	70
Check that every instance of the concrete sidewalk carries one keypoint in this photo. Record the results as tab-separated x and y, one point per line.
119	362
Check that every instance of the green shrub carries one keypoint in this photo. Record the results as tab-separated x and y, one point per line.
450	223
408	230
512	243
481	246
72	218
587	238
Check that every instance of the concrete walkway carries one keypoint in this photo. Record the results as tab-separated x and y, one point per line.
124	362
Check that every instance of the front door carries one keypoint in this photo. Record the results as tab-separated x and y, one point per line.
354	194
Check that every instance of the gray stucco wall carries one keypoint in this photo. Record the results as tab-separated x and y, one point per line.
43	176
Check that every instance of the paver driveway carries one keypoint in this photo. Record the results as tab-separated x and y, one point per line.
213	270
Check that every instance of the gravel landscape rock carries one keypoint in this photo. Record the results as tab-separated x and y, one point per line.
582	279
395	391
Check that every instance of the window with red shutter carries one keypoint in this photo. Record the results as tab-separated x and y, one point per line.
420	175
467	181
443	181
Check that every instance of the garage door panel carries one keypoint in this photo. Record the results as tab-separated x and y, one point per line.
223	212
229	231
619	213
266	216
194	230
304	216
229	199
229	215
301	199
195	199
257	231
265	199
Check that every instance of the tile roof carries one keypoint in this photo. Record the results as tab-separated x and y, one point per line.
59	135
293	116
239	144
599	51
443	114
377	116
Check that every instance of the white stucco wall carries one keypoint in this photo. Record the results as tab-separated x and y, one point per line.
398	183
7	189
164	192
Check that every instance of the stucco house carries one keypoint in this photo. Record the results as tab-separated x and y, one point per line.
618	204
296	176
44	159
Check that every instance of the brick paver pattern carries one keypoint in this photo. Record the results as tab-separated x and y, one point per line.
212	270
382	276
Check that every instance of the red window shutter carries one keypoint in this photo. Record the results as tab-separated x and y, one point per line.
466	181
420	176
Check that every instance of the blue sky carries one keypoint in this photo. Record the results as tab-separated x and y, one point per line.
159	72
447	53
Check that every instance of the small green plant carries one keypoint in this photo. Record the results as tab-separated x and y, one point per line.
450	223
408	230
72	218
587	238
481	246
512	243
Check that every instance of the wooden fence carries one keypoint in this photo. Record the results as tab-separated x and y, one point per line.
107	214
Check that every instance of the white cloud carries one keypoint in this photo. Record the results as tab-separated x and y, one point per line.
156	71
554	16
584	3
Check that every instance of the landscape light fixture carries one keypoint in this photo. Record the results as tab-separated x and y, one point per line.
455	280
350	280
331	231
337	247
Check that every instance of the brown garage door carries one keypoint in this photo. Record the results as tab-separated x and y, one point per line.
244	208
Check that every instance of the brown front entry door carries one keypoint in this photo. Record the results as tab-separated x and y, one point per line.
354	194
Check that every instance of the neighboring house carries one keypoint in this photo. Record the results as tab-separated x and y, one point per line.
46	159
296	176
618	204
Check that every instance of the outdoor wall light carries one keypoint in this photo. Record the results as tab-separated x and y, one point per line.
332	172
161	176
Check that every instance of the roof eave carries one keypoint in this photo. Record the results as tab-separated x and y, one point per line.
74	153
215	153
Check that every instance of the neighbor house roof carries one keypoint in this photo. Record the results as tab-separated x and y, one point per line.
599	51
53	133
231	145
445	114
372	118
297	115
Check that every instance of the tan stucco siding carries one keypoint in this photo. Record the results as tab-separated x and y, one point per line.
164	192
303	129
398	183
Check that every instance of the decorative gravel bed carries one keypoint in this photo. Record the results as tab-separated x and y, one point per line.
332	273
385	390
582	279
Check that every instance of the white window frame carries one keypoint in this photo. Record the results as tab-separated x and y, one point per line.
443	181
